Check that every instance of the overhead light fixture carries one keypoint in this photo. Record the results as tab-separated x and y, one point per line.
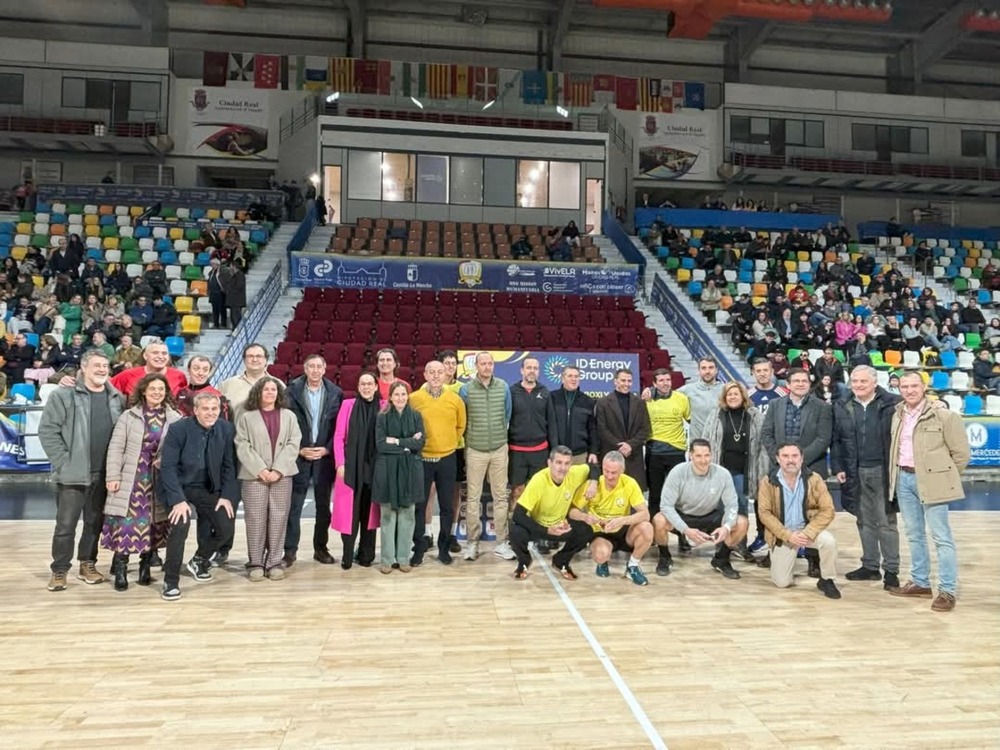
489	104
562	111
331	98
417	102
314	178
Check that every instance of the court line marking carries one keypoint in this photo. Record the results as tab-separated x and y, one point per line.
627	695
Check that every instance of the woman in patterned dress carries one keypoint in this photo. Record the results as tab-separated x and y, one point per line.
133	521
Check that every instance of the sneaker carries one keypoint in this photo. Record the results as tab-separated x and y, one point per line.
256	574
199	569
757	545
602	571
521	572
663	565
57	582
543	547
503	550
566	572
891	580
471	551
453	546
635	574
405	568
725	567
864	574
88	574
683	545
911	589
813	571
385	569
276	573
429	542
944	602
417	560
829	588
444	557
219	559
289	559
170	593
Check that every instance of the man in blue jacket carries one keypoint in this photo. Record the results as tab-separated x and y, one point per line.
197	472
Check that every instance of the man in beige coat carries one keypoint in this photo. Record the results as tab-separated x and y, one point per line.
929	451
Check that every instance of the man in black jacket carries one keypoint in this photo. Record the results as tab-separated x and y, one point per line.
828	364
571	418
315	401
528	431
197	472
859	457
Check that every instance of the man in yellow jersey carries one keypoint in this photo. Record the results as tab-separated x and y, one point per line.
443	413
541	511
669	412
619	518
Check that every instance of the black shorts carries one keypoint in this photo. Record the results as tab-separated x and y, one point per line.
707	523
523	465
617	539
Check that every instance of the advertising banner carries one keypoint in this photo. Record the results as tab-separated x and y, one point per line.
984	440
228	122
676	146
147	195
459	274
597	369
19	447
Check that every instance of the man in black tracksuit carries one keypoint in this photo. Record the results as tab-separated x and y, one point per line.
571	418
528	432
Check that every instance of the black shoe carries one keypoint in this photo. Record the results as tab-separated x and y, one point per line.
683	545
663	565
365	563
813	567
428	542
346	563
863	574
154	560
289	559
417	560
744	552
453	546
145	577
323	557
543	547
765	561
220	559
119	566
725	567
444	557
199	569
829	588
891	581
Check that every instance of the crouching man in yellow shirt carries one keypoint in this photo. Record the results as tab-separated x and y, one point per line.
619	518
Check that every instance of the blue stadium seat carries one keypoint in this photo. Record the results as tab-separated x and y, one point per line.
940	381
32	338
24	390
746	265
259	236
168	258
143	232
175	345
694	242
57	219
109	221
95	254
745	277
163	245
687	263
203	259
662	252
806	278
973	405
42	207
694	289
949	360
984	297
951	271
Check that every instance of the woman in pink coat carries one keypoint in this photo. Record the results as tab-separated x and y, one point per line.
354	456
846	329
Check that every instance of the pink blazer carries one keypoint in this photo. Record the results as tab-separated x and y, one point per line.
342	514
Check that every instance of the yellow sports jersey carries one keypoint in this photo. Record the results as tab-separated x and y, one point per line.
667	417
608	504
546	502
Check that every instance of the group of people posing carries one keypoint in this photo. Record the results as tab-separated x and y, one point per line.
136	454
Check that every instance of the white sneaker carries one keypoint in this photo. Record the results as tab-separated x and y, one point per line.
471	551
503	550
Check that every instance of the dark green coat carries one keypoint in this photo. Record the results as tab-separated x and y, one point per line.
398	480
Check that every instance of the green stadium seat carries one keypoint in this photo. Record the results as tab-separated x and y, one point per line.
193	273
131	256
110	231
128	243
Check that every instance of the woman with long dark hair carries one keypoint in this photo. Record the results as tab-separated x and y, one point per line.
133	521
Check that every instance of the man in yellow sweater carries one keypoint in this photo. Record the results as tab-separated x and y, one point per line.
443	412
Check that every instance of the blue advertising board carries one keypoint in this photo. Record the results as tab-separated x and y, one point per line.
460	274
597	369
690	331
19	447
984	440
171	196
704	218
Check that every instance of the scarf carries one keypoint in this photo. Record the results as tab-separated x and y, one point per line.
360	457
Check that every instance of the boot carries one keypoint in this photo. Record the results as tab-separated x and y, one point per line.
145	578
721	561
119	566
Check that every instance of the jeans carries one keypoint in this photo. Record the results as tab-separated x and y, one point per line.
918	517
658	465
72	501
320	474
442	474
743	505
397	531
876	527
213	525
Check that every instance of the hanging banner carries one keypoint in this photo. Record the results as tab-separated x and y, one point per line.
147	195
676	146
19	447
228	122
597	369
458	274
984	440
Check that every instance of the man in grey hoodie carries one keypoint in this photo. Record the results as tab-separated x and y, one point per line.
704	395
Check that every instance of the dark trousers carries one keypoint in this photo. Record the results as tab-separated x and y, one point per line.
658	465
574	541
226	542
218	303
320	474
213	525
72	501
442	474
235	316
362	509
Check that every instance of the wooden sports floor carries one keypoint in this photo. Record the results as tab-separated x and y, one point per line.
466	657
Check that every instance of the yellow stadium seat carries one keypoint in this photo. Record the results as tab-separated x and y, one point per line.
91	220
184	305
135	211
967	244
18	253
38	281
865	280
755	301
106	210
698	233
791	266
803	255
975	252
683	275
110	243
190	324
213	214
176	233
925	376
92	230
25	227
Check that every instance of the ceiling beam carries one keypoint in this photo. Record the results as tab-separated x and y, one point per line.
906	68
357	14
154	20
558	32
740	46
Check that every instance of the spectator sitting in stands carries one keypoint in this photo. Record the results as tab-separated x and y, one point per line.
923	258
100	342
766	347
19	357
118	282
845	328
92	271
828	364
992	334
571	234
141	313
913	339
827	389
72	352
521	248
866	264
761	324
711	297
62	261
23	318
114	307
717	275
46	311
798	295
559	251
163	322
986	373
141	288
943	343
127	355
156	277
858	350
972	318
991	277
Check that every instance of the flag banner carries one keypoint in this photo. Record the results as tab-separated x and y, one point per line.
694	95
240	70
581	90
438	78
214	68
485	81
534	86
676	146
508	83
626	93
461	81
555	86
650	94
604	89
342	74
223	122
366	76
385	77
267	71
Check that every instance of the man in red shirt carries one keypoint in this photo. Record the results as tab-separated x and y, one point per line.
157	360
199	370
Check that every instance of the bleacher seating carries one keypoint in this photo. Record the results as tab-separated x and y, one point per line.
348	325
448	239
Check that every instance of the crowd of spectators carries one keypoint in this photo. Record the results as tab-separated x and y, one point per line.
56	303
850	309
